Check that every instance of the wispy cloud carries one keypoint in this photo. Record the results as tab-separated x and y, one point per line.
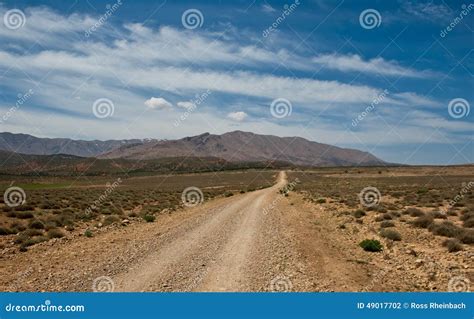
354	63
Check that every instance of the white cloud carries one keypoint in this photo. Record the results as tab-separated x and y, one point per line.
181	64
354	63
186	105
237	116
158	103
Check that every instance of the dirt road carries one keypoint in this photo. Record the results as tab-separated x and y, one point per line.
220	251
258	241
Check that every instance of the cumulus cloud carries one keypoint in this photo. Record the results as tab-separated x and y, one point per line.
158	103
237	116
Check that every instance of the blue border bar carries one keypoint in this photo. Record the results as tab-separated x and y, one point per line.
240	305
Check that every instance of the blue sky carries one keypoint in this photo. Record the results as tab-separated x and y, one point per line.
391	77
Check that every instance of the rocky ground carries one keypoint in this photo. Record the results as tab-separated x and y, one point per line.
258	241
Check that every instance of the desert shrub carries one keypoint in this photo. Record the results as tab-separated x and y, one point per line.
381	209
110	220
228	194
371	245
34	240
446	229
88	233
359	213
32	232
452	244
242	191
387	216
11	213
379	218
391	234
395	214
386	224
467	236
149	218
5	231
24	215
468	223
24	207
414	212
423	221
36	224
55	233
467	215
438	215
321	201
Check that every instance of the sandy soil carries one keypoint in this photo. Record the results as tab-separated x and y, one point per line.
258	241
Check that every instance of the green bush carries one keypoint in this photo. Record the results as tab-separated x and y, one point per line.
88	233
371	245
321	201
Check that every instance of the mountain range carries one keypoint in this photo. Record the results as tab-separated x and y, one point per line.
235	149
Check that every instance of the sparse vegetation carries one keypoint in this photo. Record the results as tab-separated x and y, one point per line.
391	234
149	218
371	245
386	224
452	245
359	213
